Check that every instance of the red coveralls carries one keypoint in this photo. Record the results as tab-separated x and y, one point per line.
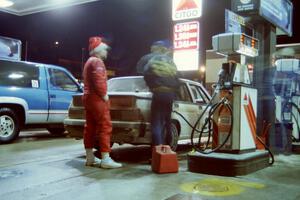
98	121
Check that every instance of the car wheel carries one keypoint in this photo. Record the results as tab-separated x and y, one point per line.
9	125
56	131
173	140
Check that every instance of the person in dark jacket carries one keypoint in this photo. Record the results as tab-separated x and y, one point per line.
160	74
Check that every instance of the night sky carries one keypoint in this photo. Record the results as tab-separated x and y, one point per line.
130	27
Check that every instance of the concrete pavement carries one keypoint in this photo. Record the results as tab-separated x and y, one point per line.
53	168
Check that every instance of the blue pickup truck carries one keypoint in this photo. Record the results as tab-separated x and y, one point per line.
33	95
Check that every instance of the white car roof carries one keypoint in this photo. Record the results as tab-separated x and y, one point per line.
130	77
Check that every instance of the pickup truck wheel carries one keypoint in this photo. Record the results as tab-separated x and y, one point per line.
56	131
173	140
9	125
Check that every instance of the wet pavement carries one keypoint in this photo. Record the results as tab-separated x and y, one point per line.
41	166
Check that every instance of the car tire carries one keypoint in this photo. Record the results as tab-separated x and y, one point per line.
96	146
173	142
9	125
56	131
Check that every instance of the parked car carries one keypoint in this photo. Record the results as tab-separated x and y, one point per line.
130	101
33	94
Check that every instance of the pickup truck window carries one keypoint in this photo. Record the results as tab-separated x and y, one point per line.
59	80
19	75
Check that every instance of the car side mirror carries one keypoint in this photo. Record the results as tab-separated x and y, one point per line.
80	89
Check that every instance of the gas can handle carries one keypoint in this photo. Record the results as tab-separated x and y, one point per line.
163	149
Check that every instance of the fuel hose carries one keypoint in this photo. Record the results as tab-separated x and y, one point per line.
208	124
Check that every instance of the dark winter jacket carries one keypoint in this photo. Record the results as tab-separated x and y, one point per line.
160	74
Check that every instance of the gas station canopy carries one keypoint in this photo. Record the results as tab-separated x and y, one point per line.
21	7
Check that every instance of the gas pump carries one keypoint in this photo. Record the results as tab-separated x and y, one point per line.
232	117
235	85
287	90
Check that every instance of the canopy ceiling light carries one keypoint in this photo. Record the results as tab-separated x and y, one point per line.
6	3
27	7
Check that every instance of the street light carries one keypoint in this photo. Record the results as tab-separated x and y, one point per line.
202	70
56	43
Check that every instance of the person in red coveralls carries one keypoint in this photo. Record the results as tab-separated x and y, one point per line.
96	103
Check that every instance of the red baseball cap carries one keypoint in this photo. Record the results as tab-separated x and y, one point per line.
94	42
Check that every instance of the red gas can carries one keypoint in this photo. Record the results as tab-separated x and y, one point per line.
164	160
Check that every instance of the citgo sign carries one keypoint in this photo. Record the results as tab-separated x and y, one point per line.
186	9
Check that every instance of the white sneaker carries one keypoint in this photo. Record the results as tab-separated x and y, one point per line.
95	163
109	163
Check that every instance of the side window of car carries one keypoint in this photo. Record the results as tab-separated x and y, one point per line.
19	75
198	94
203	94
183	94
60	80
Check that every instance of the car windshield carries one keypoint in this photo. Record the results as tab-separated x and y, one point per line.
136	84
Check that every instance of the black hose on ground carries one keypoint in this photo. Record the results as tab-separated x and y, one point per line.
268	149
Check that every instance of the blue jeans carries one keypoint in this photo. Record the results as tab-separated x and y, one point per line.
161	109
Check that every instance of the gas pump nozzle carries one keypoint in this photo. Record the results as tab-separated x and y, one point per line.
233	73
226	75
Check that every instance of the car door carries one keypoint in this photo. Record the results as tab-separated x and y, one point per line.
185	107
200	98
61	89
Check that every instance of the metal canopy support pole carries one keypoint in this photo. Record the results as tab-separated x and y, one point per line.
263	78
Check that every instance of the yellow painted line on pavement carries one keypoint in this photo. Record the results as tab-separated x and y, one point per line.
219	187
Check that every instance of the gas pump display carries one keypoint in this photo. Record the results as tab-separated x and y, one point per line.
230	43
248	45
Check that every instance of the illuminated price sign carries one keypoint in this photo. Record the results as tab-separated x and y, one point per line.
186	36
